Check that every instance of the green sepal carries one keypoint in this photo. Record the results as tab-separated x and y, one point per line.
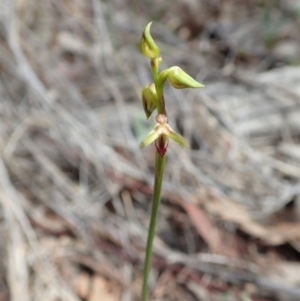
147	45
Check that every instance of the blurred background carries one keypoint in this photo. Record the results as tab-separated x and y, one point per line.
75	190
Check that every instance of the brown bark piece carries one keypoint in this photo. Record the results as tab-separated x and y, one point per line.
101	290
83	285
208	231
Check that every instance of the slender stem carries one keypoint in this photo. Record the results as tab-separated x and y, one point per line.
158	86
159	91
159	173
160	162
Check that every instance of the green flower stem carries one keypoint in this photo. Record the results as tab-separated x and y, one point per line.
161	109
159	173
160	96
161	133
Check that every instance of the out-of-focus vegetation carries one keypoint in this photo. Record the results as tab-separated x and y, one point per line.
75	190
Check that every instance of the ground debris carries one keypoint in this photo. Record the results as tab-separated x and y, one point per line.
75	190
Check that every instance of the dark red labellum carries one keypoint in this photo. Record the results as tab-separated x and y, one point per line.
161	144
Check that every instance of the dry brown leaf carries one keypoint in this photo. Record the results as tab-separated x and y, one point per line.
205	227
288	272
163	283
295	243
272	235
200	291
83	285
101	290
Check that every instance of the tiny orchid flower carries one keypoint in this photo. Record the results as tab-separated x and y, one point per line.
161	134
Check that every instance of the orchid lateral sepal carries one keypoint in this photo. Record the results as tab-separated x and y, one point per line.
147	45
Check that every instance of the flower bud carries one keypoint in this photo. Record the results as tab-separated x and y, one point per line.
147	46
180	80
149	99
